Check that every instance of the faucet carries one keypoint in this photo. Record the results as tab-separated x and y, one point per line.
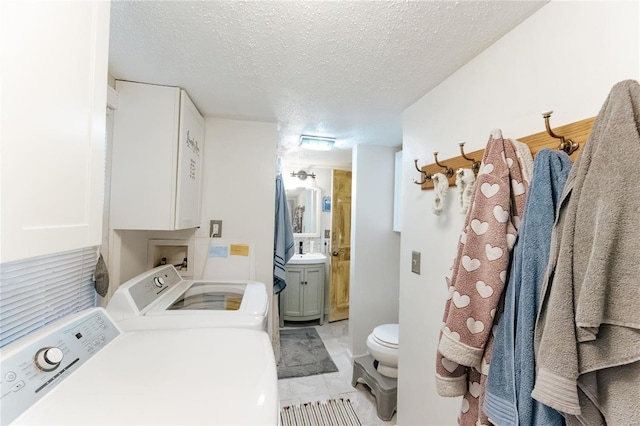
301	247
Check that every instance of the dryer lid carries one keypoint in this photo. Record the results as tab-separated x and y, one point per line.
387	334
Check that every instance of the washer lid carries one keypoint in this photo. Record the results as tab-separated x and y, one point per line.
387	334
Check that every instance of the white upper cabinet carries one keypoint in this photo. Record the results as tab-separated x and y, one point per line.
53	113
157	157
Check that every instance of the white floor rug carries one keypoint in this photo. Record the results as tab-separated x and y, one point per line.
334	412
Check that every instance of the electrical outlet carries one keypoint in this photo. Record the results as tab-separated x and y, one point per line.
415	262
215	229
327	233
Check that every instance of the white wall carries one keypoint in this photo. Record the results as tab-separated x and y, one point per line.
239	187
375	247
565	57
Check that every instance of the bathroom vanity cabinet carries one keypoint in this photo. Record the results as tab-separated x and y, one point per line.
158	139
303	297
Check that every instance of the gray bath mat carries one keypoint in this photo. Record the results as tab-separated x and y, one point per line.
302	353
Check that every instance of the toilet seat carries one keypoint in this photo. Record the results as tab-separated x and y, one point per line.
382	344
386	335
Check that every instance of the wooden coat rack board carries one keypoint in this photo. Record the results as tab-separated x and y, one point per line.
579	131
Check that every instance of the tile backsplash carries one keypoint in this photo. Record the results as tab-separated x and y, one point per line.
318	245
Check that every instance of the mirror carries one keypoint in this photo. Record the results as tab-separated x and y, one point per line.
304	209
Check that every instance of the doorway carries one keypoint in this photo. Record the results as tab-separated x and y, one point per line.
319	168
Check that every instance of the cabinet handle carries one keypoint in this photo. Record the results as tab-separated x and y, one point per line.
335	253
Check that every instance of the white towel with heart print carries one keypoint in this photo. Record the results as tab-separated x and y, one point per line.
479	275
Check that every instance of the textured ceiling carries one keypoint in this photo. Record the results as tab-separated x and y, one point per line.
341	69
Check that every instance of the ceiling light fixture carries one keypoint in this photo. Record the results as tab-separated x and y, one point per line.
318	143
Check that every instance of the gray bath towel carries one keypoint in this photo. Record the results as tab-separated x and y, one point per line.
589	320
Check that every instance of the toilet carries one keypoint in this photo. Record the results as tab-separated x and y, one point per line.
383	347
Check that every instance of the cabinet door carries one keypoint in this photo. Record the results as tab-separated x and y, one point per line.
293	293
54	88
144	157
190	153
313	290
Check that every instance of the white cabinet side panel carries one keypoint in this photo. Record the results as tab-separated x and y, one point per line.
189	174
54	81
144	158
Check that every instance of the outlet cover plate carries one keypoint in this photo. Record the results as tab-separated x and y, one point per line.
415	262
215	229
327	233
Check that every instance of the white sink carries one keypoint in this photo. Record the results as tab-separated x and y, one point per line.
307	258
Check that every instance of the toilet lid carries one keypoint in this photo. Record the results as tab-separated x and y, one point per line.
387	335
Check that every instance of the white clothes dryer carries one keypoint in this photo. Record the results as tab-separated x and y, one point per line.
162	299
84	370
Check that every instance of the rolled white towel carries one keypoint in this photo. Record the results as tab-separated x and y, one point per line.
465	180
441	186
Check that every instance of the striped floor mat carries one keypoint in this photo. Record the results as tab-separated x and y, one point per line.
334	412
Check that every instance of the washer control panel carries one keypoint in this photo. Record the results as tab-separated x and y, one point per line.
145	289
35	364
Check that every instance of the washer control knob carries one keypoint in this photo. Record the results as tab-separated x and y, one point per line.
158	281
48	359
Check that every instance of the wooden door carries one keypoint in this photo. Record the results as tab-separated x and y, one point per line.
340	246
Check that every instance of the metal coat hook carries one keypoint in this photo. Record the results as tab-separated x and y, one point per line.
423	175
475	165
448	171
567	145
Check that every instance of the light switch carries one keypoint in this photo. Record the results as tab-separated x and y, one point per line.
415	262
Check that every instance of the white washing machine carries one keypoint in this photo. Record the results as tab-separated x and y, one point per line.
162	299
83	370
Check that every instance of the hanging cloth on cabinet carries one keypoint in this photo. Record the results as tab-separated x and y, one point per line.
101	277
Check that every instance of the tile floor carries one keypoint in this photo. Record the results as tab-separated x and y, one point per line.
333	385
